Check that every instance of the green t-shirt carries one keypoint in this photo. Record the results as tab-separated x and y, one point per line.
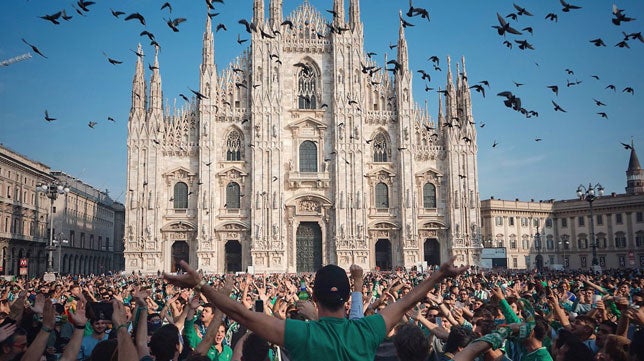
540	354
334	339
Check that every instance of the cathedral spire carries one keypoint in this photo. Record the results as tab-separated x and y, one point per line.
338	13
466	94
276	14
354	13
156	95
138	83
208	50
403	57
634	174
258	12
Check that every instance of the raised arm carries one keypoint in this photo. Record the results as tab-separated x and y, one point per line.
396	310
78	320
268	327
37	347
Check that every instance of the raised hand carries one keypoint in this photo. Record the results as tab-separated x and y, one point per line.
188	279
118	315
39	303
78	318
7	330
356	272
448	269
48	315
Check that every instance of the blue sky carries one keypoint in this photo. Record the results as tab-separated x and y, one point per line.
77	84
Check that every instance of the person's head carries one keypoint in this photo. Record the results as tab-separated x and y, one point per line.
584	327
207	313
411	343
540	330
331	287
165	343
636	349
615	349
603	330
221	333
459	337
573	350
105	351
99	326
255	348
15	344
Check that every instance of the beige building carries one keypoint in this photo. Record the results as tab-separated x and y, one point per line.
84	221
557	234
301	152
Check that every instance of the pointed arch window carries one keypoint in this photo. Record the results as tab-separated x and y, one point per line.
382	196
380	148
307	88
308	157
233	146
180	196
429	196
233	196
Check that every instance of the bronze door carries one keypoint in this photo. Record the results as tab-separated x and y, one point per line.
180	252
233	256
308	241
432	252
383	254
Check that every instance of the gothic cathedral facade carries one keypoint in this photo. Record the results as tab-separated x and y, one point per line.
303	152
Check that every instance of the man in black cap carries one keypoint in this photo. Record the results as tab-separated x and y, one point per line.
333	336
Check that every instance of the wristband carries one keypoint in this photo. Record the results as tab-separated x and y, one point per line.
199	285
46	329
123	325
79	327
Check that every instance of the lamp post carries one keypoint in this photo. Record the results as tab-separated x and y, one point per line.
537	245
588	194
564	244
52	191
60	243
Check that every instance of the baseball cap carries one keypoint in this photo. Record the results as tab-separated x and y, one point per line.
331	285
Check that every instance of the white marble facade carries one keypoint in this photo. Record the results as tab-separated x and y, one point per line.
302	152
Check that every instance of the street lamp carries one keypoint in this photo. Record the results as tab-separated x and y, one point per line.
52	191
60	243
537	245
564	244
588	194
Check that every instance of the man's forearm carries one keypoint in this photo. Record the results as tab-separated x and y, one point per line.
73	346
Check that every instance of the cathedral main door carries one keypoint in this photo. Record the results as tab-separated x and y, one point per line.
233	256
383	254
180	252
308	241
432	252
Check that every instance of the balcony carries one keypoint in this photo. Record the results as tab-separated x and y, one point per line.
319	180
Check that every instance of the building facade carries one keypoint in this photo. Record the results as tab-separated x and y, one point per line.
83	221
302	152
557	234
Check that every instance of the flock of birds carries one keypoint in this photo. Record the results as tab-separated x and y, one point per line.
507	26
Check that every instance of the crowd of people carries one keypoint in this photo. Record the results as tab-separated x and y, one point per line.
446	313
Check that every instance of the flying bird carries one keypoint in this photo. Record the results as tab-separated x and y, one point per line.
567	7
84	4
619	16
173	23
521	10
221	26
598	103
136	16
626	146
199	95
148	34
117	13
537	139
47	117
505	26
184	97
479	88
111	60
628	89
240	40
52	17
603	114
65	16
552	17
554	88
34	48
611	86
91	124
598	42
557	107
166	5
288	23
495	144
523	44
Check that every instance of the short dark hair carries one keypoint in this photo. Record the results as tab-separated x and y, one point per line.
541	328
411	343
459	336
106	350
163	344
255	348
